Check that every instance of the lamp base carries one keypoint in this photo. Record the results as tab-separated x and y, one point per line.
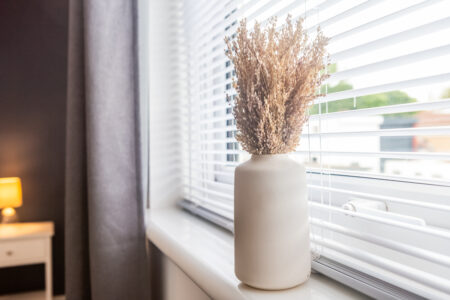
9	215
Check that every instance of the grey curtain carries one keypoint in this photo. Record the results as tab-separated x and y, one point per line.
105	237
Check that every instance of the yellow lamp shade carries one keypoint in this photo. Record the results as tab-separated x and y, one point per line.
10	192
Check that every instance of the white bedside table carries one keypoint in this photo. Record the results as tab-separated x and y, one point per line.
26	244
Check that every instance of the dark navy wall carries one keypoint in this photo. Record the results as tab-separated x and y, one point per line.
33	66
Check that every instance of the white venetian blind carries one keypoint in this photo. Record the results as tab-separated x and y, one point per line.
376	147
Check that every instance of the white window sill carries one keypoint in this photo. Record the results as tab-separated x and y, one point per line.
205	253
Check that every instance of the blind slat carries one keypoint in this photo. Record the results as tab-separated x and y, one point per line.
394	245
389	109
392	39
384	19
440	78
412	227
443	130
391	63
381	154
395	267
345	14
423	204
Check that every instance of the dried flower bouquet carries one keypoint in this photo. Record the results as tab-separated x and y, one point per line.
278	75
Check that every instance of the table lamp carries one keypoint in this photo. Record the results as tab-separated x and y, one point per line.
10	197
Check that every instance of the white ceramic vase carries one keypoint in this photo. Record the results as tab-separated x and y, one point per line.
272	249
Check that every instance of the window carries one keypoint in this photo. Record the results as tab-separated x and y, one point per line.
376	147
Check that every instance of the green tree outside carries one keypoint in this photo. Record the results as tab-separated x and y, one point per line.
376	100
446	94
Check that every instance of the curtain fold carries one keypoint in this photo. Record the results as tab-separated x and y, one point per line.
105	236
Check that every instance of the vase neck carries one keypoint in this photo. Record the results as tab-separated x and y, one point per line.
259	157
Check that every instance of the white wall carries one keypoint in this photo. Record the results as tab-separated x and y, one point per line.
178	286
